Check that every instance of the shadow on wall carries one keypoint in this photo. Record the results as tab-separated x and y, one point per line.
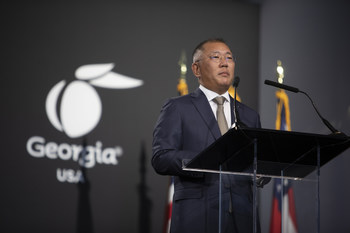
84	216
145	203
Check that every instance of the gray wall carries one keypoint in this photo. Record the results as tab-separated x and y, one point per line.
312	40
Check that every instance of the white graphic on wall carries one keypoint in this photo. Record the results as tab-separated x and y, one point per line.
80	107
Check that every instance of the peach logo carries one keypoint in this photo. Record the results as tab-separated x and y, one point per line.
80	107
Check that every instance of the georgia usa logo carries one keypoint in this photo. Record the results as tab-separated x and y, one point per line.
75	109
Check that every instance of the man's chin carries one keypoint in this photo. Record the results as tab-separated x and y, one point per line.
225	86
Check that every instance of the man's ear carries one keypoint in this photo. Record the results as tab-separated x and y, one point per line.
196	69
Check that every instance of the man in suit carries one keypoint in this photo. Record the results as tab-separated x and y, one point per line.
186	126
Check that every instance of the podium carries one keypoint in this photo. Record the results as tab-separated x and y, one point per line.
263	154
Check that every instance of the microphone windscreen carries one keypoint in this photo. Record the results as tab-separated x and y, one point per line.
285	87
236	81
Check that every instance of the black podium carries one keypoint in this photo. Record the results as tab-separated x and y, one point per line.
264	153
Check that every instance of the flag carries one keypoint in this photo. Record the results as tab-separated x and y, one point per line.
283	114
283	196
231	91
182	87
169	206
283	205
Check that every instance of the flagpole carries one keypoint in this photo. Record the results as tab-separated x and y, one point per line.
318	190
283	217
182	89
280	77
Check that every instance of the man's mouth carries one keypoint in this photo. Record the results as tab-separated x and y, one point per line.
224	73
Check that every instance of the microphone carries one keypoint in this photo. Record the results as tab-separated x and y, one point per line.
237	119
296	90
236	82
282	86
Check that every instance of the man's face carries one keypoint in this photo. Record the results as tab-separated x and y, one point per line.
215	67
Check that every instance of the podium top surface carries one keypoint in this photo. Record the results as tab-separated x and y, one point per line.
294	153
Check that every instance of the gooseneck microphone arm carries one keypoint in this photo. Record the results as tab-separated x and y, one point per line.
238	122
335	131
296	90
235	85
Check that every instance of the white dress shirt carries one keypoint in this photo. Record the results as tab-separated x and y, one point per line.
212	95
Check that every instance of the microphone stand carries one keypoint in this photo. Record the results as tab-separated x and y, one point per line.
235	105
238	122
296	90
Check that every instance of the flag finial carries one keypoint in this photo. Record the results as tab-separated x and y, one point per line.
182	85
280	72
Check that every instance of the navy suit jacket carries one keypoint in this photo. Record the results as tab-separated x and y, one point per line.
185	127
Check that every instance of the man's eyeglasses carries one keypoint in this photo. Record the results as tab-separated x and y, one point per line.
219	57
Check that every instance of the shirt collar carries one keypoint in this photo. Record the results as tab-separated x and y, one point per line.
211	94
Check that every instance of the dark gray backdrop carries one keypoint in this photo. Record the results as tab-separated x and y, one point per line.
44	43
312	40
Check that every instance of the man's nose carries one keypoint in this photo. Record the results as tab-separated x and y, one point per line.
223	61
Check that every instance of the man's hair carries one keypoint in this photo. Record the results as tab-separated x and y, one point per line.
199	47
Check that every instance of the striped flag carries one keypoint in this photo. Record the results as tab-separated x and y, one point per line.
283	197
283	205
169	207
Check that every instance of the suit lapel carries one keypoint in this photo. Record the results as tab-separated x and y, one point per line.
202	105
